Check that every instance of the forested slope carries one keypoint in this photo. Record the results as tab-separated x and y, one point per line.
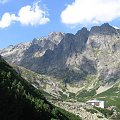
21	101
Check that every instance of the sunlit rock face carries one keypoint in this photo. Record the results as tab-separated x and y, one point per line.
102	47
75	56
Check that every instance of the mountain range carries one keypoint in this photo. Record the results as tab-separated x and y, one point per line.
94	52
72	67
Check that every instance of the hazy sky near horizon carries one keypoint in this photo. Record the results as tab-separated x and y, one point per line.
24	20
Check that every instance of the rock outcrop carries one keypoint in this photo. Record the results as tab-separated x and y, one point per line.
28	51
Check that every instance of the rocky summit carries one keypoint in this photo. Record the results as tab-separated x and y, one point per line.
71	56
26	52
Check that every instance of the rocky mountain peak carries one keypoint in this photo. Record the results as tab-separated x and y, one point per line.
105	25
55	33
83	31
34	41
82	35
56	37
104	29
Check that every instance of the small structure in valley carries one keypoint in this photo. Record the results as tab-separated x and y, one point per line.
97	103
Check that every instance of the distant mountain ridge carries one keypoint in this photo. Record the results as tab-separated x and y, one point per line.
35	48
94	52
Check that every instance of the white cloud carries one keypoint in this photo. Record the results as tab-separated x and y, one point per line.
32	15
27	15
6	20
3	1
91	11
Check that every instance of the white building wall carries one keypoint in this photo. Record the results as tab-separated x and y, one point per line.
102	104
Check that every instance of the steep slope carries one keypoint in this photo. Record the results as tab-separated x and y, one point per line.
96	53
103	48
51	86
56	62
20	101
29	51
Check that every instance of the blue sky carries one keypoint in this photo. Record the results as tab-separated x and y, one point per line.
23	20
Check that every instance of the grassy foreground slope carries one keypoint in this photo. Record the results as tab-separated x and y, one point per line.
21	101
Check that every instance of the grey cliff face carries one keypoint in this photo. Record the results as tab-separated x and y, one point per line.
59	61
102	47
95	52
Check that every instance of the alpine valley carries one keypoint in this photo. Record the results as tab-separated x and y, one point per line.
70	69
